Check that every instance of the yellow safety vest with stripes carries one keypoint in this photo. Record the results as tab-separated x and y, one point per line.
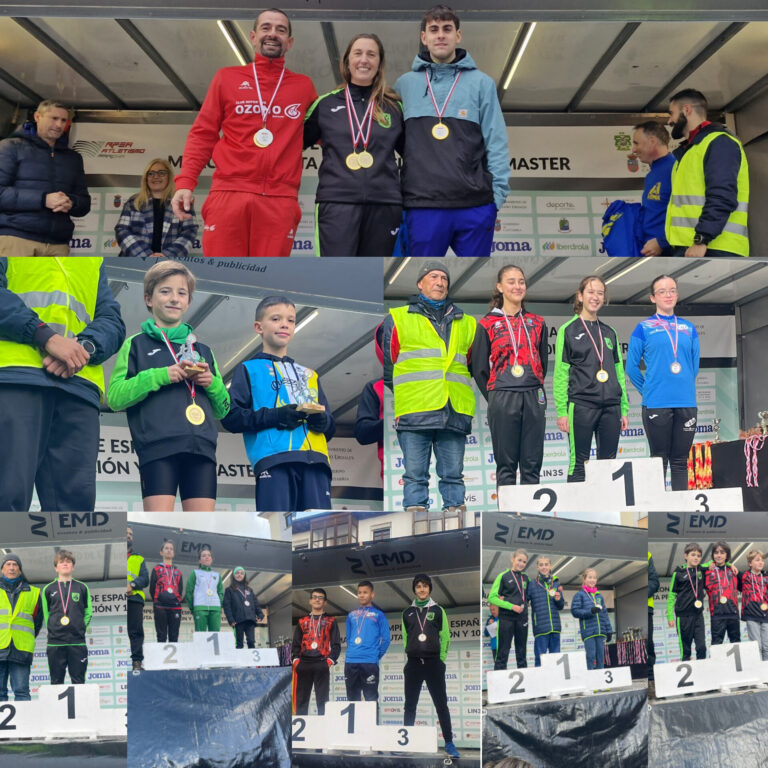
650	599
17	624
689	191
427	374
134	568
62	292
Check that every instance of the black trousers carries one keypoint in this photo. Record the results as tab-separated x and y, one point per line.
348	229
719	625
510	629
50	441
135	624
650	647
691	630
362	681
585	421
309	673
432	672
67	657
670	433
245	629
517	421
167	623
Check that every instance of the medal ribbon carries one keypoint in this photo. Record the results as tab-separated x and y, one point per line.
421	623
315	627
360	624
441	112
665	326
696	588
61	597
190	386
265	110
601	353
357	136
516	342
168	575
719	586
520	586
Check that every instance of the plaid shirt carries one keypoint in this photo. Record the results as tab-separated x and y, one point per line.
134	230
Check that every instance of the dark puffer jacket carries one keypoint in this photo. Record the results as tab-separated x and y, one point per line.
29	170
546	616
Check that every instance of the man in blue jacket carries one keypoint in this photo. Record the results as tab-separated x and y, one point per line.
42	185
58	323
456	166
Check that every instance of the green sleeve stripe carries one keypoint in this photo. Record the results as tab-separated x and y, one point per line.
123	392
562	371
405	631
671	597
88	605
493	596
445	635
318	100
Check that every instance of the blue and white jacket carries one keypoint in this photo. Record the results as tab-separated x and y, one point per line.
373	628
134	230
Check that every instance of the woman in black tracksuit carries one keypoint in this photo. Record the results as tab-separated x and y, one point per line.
241	608
166	586
360	127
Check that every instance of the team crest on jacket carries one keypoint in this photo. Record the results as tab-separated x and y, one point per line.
76	597
384	120
608	343
430	615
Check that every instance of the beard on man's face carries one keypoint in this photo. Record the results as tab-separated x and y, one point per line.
678	127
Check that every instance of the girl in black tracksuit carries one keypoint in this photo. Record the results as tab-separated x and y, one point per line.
166	586
509	363
359	208
241	608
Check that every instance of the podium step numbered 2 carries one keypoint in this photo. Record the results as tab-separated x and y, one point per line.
559	674
207	650
617	484
61	712
351	725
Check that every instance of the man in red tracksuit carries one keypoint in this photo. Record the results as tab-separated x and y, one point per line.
252	209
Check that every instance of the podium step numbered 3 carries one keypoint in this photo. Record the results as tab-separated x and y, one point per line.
61	711
351	725
729	666
559	674
617	484
207	650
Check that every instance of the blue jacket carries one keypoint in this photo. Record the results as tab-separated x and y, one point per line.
545	609
591	624
471	166
622	229
30	169
656	192
494	638
134	230
373	628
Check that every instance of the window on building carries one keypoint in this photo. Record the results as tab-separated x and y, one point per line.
382	533
333	531
436	520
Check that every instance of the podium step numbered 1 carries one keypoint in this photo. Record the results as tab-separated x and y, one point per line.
559	674
207	650
351	725
61	711
612	485
729	666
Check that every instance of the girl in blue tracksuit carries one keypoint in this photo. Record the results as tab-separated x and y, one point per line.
589	608
546	596
669	345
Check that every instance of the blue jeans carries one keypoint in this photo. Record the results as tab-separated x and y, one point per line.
449	463
19	677
595	648
545	644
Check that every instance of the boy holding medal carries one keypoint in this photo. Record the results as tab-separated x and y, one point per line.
368	638
67	614
721	581
510	592
685	602
315	649
754	601
426	637
205	594
546	597
170	385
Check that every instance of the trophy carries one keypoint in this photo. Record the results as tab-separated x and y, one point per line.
763	416
188	356
305	396
716	422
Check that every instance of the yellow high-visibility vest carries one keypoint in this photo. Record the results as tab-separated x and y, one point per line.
17	624
134	568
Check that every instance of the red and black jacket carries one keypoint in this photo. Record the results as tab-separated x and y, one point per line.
325	634
720	581
165	578
754	593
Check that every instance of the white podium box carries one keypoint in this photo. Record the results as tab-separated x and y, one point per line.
612	485
558	675
207	650
61	712
735	665
351	725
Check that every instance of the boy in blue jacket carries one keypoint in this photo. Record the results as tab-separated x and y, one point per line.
368	638
589	608
546	596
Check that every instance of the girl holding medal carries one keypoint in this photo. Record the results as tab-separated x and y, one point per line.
509	363
166	586
589	388
721	581
360	127
242	609
754	601
205	594
669	345
546	595
589	608
510	592
170	385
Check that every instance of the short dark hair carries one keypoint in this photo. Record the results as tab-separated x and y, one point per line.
722	545
271	301
275	10
652	128
656	280
205	549
320	591
693	97
692	547
439	13
365	584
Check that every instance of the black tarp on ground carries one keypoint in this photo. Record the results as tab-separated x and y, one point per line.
210	718
608	729
721	731
104	753
470	758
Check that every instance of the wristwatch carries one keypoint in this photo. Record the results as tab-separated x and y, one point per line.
87	345
699	239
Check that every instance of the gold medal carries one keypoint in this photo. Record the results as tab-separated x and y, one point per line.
64	620
353	161
517	370
602	376
209	592
365	159
263	138
698	604
195	414
764	606
723	599
440	131
553	593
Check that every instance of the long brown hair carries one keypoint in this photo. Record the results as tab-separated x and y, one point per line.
383	96
497	297
143	198
578	305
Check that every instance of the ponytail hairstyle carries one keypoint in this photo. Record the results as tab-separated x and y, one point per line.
497	298
585	281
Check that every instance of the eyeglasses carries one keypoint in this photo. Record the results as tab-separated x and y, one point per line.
156	173
666	292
